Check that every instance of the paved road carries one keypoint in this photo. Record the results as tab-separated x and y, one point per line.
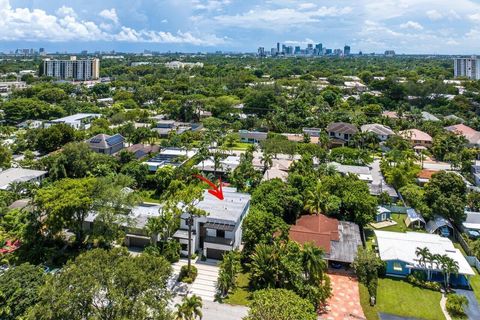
473	309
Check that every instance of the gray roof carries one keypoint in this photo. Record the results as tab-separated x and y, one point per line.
342	127
77	117
429	117
345	250
104	141
18	175
414	215
230	209
138	215
437	222
378	129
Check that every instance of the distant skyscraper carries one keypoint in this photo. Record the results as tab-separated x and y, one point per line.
346	50
297	49
467	67
73	69
261	52
319	48
390	53
278	47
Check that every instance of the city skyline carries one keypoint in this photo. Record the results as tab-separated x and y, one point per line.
406	26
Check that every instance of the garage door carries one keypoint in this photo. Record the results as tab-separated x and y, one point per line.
139	242
215	254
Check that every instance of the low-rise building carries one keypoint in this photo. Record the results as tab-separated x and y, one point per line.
13	175
472	135
221	230
399	249
339	239
79	121
169	157
103	143
381	131
341	133
247	136
417	137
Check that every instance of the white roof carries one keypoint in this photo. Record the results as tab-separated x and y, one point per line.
472	221
77	117
377	129
363	172
402	247
18	175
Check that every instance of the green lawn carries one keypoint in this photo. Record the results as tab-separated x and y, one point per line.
398	297
149	196
475	283
241	295
239	146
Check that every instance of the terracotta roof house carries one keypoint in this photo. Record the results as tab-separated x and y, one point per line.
472	135
341	132
417	137
339	239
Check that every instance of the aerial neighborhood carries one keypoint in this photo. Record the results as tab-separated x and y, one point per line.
176	186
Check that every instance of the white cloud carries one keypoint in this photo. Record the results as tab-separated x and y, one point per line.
411	25
164	21
434	15
307	5
37	25
109	15
210	5
276	18
474	17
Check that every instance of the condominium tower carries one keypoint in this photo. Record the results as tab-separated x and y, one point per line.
73	69
467	67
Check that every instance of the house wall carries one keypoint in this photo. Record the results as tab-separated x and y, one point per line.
392	271
378	217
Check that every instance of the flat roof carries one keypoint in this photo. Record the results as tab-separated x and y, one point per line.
77	117
18	175
230	209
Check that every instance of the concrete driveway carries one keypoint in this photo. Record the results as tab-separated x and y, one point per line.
204	285
473	309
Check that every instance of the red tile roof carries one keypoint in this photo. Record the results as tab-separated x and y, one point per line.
319	229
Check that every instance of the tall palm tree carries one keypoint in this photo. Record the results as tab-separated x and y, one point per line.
267	161
313	263
319	201
154	227
190	309
422	254
449	266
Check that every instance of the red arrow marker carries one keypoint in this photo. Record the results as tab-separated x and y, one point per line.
216	191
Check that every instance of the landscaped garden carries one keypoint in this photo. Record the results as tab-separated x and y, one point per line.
398	297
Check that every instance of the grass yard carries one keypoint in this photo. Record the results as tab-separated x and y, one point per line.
398	297
475	283
241	295
239	146
149	196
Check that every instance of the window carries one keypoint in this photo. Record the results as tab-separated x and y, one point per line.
184	246
397	266
220	234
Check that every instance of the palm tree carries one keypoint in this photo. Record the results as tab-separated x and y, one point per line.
422	254
229	268
190	309
449	266
319	201
313	263
267	161
154	227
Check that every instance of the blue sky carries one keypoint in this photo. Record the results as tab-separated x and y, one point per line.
407	26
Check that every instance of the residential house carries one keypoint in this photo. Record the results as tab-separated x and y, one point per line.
399	249
170	157
134	226
414	219
472	135
103	143
426	116
13	175
247	136
142	150
417	137
79	121
165	127
341	133
339	239
312	132
381	131
221	230
225	165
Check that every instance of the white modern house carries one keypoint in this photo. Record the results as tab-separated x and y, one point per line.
221	230
381	131
79	121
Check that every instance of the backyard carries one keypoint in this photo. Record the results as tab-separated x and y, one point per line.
398	297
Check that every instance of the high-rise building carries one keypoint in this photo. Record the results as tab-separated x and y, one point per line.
390	53
467	67
319	48
73	69
346	50
278	47
261	52
297	49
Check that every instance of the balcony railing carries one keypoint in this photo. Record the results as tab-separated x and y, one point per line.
218	240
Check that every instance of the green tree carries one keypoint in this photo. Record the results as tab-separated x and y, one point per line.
102	284
19	287
318	201
52	138
229	269
190	309
5	157
445	194
449	267
280	304
367	266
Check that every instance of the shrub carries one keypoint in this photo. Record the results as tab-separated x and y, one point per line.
187	277
417	279
455	305
171	251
